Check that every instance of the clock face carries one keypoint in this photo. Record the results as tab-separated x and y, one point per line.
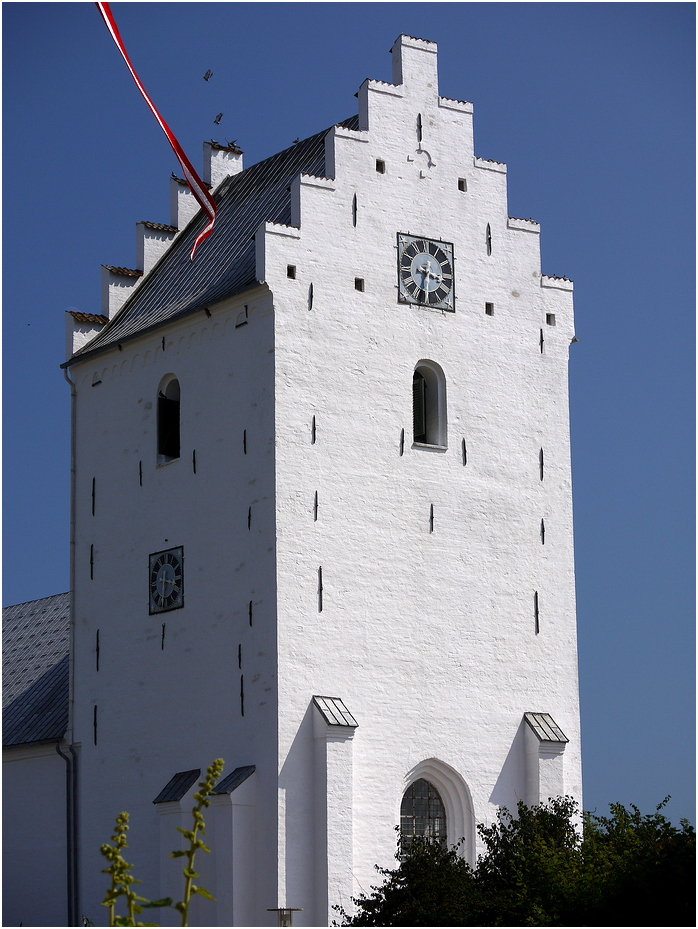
166	580
425	272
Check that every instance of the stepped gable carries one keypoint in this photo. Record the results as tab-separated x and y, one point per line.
225	262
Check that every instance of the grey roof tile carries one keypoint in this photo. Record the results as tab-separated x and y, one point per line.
225	262
35	636
40	713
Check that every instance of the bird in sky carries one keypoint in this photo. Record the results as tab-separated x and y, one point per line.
208	75
218	118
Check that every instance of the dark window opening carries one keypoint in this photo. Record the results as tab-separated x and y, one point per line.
542	532
550	319
380	166
422	813
353	210
488	239
319	590
419	127
168	420
291	272
464	452
402	442
462	184
359	283
419	407
97	651
489	309
541	464
536	614
429	405
541	342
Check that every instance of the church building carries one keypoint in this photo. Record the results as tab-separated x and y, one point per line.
321	528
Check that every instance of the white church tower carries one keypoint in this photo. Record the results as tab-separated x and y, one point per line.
322	517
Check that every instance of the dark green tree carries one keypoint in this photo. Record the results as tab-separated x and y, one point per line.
539	869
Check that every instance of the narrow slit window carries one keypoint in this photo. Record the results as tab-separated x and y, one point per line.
97	650
140	473
93	496
249	517
536	612
353	210
313	432
94	724
240	655
244	441
291	272
541	342
541	464
242	695
315	507
542	532
249	611
431	518
464	453
92	562
310	296
162	637
168	419
419	127
319	590
380	166
402	442
193	460
488	239
242	318
489	309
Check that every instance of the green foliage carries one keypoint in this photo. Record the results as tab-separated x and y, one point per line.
539	869
119	869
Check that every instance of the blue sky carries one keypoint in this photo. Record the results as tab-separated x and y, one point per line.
592	107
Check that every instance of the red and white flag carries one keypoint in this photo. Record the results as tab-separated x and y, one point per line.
196	185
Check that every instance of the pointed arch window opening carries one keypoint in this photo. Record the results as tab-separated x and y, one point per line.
422	814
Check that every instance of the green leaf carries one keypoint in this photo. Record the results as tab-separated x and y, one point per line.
165	901
202	892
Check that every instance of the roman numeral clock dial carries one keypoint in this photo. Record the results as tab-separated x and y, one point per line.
425	272
166	580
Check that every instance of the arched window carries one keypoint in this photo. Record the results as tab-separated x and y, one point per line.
429	404
422	813
168	419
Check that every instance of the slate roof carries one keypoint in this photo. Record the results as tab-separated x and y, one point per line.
225	262
35	643
545	727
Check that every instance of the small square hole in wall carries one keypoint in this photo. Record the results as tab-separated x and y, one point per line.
291	271
550	319
462	185
358	283
380	166
489	309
